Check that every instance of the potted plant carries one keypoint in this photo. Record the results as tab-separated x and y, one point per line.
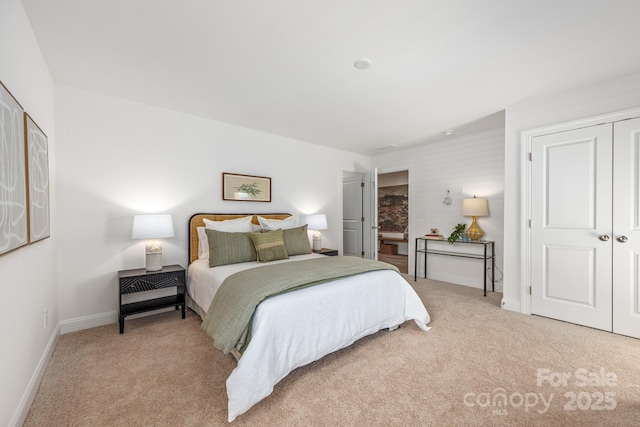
457	233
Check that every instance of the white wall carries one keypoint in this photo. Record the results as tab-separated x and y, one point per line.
118	158
475	163
27	274
608	97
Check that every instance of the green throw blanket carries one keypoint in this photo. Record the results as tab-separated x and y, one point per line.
228	320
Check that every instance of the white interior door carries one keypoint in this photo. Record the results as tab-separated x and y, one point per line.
352	213
626	228
571	220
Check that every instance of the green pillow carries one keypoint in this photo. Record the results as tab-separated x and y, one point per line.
229	248
296	240
269	246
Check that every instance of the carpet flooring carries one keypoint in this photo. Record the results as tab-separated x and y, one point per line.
478	365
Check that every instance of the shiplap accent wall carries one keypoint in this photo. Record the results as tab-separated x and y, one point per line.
473	164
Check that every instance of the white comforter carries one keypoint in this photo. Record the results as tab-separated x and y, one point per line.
297	328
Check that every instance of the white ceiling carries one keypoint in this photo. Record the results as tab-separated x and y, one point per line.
286	66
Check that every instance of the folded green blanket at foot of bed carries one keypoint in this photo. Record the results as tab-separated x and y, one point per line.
228	319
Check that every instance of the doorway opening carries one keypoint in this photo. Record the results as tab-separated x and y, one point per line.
393	219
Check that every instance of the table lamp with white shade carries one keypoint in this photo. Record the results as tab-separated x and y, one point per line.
474	208
152	227
315	223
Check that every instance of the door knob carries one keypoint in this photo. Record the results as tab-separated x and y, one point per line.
604	237
621	239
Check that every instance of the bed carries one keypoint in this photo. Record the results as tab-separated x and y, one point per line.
293	328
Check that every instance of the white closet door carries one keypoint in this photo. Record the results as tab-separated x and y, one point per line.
571	212
626	228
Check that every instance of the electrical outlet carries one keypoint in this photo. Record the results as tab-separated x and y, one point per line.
46	318
459	189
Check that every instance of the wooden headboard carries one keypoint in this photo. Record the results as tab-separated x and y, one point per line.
197	221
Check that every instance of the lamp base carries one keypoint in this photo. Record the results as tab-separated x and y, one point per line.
317	244
474	232
153	261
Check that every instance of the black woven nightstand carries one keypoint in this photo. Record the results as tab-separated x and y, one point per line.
327	252
141	280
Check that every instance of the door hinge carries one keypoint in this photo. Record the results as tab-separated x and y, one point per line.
529	223
361	219
362	184
530	156
362	254
529	290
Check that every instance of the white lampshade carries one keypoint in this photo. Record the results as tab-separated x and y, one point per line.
317	222
152	227
475	207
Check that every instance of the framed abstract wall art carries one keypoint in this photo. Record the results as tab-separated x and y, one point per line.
13	182
246	188
38	173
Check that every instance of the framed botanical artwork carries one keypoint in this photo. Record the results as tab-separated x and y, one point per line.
38	173
13	178
246	188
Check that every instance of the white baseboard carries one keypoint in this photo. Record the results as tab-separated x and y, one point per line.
511	304
101	319
30	393
87	322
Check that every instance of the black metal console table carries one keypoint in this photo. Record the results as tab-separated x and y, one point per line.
486	256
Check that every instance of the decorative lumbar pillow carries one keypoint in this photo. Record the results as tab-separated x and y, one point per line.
296	241
229	248
238	225
269	246
274	224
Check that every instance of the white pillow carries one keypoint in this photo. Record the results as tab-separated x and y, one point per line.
239	225
203	244
274	224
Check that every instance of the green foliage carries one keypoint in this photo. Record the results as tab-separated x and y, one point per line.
457	232
250	189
